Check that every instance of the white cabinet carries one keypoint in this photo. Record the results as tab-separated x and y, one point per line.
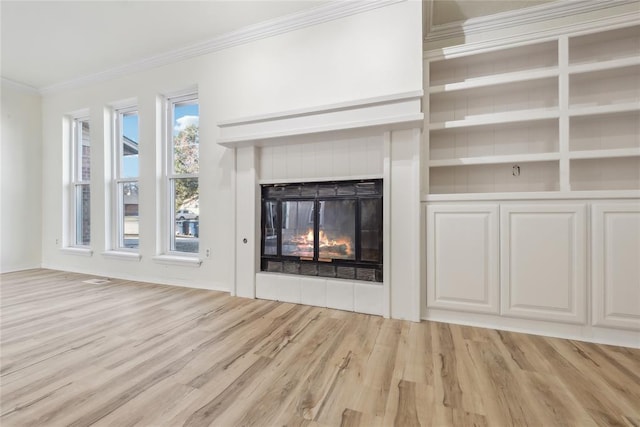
543	261
462	263
615	269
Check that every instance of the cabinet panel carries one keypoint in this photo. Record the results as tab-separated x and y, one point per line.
543	254
616	265
462	257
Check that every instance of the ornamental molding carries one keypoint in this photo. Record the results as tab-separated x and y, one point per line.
515	18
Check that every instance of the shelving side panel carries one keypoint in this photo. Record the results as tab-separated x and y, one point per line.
605	46
605	131
606	87
495	140
521	58
605	174
498	178
520	96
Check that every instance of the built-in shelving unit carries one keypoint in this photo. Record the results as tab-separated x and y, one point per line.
559	115
531	182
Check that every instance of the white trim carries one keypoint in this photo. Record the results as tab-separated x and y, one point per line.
325	13
183	261
75	250
516	18
580	332
537	195
20	86
534	36
327	108
168	223
318	179
122	255
386	226
205	284
384	113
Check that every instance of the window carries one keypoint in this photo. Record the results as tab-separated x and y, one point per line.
80	196
126	188
182	154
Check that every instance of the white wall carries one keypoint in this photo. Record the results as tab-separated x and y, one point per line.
372	54
20	209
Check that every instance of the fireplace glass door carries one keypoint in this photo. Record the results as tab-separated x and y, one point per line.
337	229
297	229
331	229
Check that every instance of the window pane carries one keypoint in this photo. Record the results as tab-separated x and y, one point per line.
186	139
371	226
337	224
83	215
297	229
186	203
270	237
129	140
84	151
130	223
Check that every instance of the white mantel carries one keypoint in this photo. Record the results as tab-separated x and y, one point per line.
383	113
369	138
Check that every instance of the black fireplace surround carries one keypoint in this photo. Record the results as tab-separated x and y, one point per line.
326	229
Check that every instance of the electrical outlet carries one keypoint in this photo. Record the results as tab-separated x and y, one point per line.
57	240
207	253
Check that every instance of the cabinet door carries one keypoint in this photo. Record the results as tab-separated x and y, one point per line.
462	257
615	265
543	261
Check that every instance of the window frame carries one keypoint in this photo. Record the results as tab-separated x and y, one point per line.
119	181
76	178
170	176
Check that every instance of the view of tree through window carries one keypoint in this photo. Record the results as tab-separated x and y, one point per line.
183	176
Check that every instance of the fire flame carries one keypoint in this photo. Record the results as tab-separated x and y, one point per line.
340	247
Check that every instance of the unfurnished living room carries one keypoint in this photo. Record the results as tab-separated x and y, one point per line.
320	213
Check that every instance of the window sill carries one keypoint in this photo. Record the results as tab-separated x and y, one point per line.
128	256
73	250
177	260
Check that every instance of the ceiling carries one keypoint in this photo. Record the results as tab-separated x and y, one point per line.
45	43
48	42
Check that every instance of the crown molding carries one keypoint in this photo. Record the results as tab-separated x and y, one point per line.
510	19
20	86
325	13
539	35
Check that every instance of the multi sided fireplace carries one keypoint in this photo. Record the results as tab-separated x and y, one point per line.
327	229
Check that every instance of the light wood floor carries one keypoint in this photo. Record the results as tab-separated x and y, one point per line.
128	353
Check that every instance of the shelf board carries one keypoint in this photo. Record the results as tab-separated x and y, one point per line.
498	118
534	195
604	109
604	65
489	160
600	154
496	79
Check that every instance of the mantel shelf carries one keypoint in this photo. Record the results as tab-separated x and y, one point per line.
391	112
